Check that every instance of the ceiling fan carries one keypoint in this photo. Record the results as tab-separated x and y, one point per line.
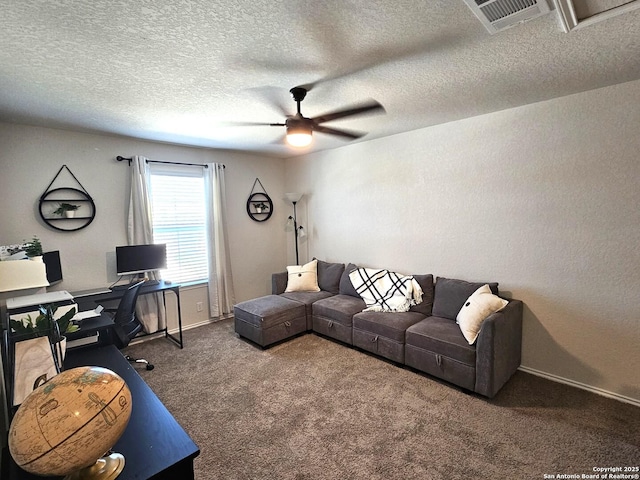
300	128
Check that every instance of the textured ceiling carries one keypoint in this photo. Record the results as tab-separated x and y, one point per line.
179	71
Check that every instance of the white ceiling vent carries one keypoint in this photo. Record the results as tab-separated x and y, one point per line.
497	15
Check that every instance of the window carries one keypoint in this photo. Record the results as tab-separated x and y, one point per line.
178	209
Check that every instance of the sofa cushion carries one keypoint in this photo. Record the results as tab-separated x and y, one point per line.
386	324
303	278
346	287
308	298
329	275
338	308
478	306
426	283
450	294
442	336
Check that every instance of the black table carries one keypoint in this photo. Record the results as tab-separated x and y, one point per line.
99	326
154	444
87	299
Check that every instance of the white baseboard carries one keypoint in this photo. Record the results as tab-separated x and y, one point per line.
583	386
176	331
199	324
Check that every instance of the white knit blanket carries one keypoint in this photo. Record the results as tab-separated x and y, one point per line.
385	291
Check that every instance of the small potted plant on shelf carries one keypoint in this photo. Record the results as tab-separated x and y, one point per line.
66	209
33	249
260	207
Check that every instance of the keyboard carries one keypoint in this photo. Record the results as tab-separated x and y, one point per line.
147	283
118	288
88	293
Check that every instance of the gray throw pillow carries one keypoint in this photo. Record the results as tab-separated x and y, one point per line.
346	287
426	284
329	275
450	295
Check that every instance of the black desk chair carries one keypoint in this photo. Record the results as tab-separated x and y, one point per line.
127	325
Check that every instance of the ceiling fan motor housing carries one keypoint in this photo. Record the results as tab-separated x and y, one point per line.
298	93
299	125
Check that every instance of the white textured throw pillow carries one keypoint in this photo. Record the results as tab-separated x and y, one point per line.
476	309
303	278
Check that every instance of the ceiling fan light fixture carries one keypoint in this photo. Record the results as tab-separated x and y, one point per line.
299	136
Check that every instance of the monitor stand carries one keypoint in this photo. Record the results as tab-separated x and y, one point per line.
134	280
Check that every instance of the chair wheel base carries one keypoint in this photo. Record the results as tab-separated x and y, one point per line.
139	360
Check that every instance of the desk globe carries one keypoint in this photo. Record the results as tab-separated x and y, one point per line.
67	426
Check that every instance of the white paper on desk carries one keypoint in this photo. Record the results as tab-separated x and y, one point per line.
88	313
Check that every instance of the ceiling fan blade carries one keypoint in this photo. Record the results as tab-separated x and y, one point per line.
272	96
369	107
281	140
308	86
252	124
339	132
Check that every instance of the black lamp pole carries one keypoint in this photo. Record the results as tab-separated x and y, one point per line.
295	230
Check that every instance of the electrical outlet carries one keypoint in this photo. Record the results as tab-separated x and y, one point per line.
199	306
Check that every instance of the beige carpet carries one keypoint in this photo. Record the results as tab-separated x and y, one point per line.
314	409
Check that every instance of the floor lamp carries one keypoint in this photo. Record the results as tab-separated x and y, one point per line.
298	231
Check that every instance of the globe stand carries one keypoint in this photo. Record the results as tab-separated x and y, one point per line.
105	468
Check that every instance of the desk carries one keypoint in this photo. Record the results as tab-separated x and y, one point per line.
100	325
86	298
154	444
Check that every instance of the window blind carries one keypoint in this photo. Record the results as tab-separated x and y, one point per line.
178	210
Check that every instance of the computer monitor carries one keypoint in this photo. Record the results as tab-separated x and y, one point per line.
54	268
131	259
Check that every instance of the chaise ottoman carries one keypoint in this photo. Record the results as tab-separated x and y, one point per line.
270	319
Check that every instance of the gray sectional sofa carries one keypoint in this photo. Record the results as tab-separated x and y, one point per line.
426	338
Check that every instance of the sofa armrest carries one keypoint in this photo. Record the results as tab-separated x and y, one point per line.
278	283
498	349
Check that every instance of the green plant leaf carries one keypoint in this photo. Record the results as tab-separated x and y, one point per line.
65	323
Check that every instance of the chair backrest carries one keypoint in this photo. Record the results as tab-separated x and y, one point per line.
127	324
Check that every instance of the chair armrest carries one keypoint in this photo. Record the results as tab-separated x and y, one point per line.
499	349
278	283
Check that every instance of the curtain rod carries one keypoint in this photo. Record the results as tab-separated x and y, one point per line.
122	159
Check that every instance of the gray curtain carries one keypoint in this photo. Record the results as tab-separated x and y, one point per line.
150	308
221	296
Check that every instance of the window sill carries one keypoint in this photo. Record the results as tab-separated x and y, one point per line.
194	284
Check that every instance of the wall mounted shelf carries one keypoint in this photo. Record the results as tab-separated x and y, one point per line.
51	199
259	204
259	207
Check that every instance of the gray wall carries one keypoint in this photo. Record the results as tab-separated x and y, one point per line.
31	156
544	199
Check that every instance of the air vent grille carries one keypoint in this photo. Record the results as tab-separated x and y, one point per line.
500	9
497	15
